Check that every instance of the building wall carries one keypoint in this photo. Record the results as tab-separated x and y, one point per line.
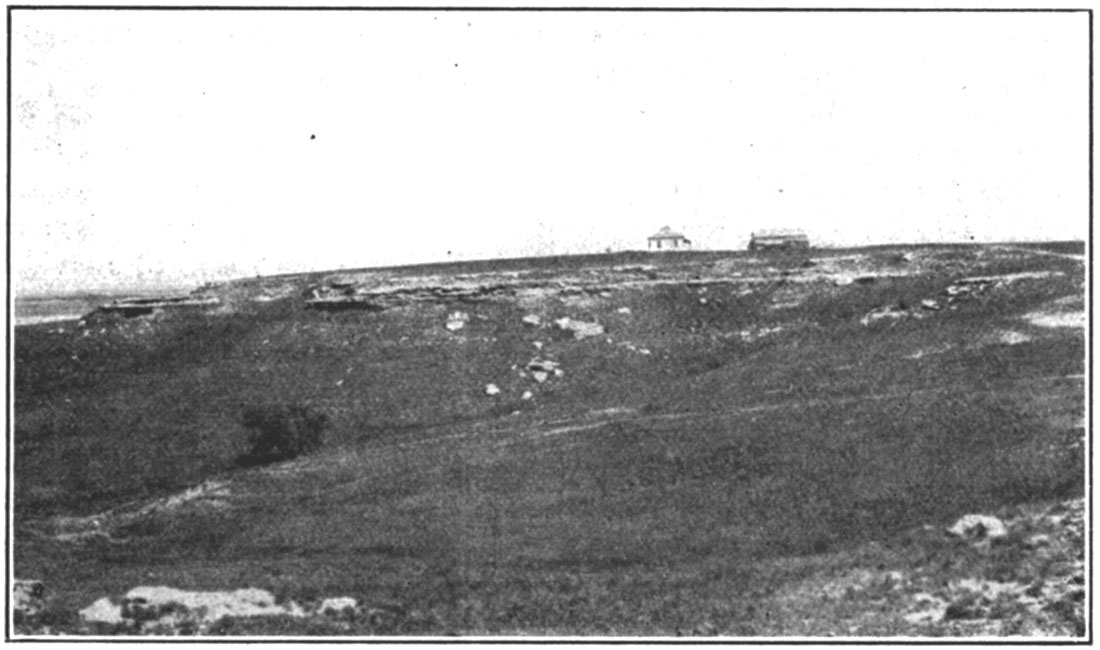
670	243
793	241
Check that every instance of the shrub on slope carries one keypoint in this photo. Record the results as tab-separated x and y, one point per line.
281	432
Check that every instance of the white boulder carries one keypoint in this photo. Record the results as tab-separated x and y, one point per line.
170	608
457	320
543	365
580	329
884	313
978	528
343	605
208	605
103	611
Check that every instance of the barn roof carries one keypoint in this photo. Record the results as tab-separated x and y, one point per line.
779	233
667	233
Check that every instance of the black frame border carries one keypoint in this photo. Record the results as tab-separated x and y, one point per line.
9	333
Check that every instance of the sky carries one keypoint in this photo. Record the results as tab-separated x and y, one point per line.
173	148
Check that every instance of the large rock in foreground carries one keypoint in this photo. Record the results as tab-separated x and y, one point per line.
167	610
28	597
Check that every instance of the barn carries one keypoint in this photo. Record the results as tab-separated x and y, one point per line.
781	240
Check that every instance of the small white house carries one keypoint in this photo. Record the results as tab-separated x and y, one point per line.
666	239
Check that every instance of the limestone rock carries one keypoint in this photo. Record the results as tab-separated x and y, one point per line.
580	329
28	597
978	528
103	611
891	312
542	365
457	320
166	610
342	606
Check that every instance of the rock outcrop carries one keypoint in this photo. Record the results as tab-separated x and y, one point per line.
165	610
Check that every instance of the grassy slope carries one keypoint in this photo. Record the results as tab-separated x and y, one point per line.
685	512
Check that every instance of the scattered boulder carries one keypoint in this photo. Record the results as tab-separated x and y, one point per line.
1037	541
104	611
753	334
890	312
930	305
527	395
927	609
967	287
343	606
541	369
538	345
28	597
457	320
492	389
1009	337
633	348
623	310
532	320
978	528
580	329
543	365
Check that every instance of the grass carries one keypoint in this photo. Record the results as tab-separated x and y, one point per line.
736	462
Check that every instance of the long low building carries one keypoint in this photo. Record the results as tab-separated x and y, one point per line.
779	240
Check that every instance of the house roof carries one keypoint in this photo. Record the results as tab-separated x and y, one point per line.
667	233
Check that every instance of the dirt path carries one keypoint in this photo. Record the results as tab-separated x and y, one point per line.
555	428
759	408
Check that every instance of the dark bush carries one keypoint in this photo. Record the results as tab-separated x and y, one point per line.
281	432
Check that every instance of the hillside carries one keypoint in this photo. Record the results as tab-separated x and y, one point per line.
632	444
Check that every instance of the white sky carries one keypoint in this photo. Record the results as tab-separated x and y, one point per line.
175	147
